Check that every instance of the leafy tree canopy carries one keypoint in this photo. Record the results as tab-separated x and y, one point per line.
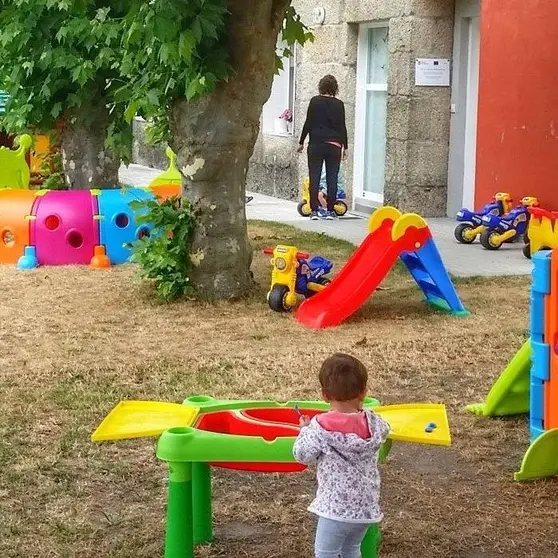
58	55
136	56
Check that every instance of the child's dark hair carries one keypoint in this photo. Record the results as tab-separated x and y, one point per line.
328	86
343	377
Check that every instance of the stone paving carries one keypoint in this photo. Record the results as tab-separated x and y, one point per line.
461	260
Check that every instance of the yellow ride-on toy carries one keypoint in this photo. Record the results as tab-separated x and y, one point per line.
293	274
304	209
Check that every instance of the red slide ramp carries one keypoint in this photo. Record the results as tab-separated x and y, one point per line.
391	234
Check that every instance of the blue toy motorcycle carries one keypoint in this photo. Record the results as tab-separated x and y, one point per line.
470	222
310	273
507	228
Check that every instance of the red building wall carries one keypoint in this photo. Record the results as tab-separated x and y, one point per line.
517	137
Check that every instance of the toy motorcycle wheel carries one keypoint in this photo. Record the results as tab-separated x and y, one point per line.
276	298
303	209
489	240
460	233
527	251
340	208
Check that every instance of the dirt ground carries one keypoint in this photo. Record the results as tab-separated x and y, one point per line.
74	342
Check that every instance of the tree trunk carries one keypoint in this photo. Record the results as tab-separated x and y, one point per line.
87	163
214	139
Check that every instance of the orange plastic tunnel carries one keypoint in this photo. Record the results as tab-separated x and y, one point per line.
15	207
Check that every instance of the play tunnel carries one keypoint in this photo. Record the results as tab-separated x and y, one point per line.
70	227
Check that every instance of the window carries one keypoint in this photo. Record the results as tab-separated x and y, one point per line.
281	98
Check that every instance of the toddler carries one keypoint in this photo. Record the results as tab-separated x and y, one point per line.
344	442
322	190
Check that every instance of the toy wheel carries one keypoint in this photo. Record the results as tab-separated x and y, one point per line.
303	209
526	237
276	298
489	240
340	208
461	235
527	251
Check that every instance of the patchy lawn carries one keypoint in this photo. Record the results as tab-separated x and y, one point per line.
73	342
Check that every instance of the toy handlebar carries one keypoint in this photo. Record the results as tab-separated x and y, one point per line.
299	255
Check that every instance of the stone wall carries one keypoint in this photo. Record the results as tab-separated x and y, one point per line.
418	117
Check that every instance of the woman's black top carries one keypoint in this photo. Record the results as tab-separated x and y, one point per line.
325	121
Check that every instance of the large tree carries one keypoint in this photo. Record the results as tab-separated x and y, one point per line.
203	69
59	63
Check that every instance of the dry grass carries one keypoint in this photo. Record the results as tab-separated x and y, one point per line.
73	342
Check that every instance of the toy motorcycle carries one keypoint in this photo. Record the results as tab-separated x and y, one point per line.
294	273
304	208
507	228
470	222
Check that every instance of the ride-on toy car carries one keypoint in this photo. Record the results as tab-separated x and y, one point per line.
507	228
304	209
294	273
470	222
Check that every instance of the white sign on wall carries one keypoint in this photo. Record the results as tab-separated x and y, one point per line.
432	72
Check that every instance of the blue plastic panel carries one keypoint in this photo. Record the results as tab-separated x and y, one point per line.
540	361
537	400
537	315
118	223
541	272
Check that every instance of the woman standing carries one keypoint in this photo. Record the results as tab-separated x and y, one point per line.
325	123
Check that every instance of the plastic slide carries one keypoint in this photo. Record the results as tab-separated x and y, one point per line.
392	235
510	393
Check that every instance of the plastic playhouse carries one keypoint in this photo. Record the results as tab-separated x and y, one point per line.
71	227
529	384
392	236
470	224
254	436
542	233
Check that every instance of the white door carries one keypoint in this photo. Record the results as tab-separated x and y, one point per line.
471	105
371	111
465	93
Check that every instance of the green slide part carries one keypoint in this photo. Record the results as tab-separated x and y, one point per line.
541	459
510	394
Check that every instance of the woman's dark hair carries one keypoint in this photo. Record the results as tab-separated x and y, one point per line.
343	377
328	86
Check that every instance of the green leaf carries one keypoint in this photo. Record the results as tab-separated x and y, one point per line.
131	110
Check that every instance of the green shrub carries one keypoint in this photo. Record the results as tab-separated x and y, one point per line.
163	256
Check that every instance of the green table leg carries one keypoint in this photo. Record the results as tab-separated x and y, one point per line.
201	498
371	544
179	540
